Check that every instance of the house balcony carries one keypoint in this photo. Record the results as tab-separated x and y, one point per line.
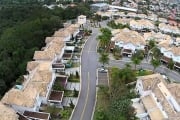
56	98
165	60
177	66
36	115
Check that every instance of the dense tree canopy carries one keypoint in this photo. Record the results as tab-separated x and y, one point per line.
22	31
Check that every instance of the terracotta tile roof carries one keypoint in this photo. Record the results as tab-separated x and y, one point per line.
164	44
53	39
25	98
175	50
7	113
162	90
142	24
32	65
168	28
50	51
158	37
122	21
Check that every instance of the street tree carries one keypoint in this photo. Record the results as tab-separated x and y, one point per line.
104	58
151	43
156	53
137	58
155	63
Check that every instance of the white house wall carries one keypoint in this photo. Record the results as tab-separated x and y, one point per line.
129	46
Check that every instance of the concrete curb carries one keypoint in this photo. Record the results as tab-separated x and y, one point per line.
96	95
80	78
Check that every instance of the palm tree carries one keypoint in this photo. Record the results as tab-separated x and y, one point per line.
136	61
104	39
155	63
137	58
104	59
156	53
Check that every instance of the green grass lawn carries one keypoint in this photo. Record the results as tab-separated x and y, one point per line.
58	113
68	93
143	72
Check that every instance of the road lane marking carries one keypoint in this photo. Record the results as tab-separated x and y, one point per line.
86	99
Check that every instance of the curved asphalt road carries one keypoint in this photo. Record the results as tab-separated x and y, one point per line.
89	63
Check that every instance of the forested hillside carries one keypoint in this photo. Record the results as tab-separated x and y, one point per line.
23	29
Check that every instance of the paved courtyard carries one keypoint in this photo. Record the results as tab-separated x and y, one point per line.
102	77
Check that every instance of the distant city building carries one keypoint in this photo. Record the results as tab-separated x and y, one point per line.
99	7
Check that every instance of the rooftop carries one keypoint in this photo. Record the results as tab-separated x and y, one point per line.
129	36
53	39
123	21
142	23
49	52
7	113
168	28
175	50
25	98
166	94
158	37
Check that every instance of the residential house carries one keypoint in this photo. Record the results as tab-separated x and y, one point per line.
158	100
152	17
42	79
162	20
169	52
51	51
131	15
123	21
164	46
68	33
165	28
129	41
119	14
56	96
177	42
141	25
105	14
142	16
158	37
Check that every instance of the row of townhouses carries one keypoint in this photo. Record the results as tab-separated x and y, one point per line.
130	41
24	101
159	100
146	22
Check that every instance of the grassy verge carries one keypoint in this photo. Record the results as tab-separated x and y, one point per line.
101	103
143	72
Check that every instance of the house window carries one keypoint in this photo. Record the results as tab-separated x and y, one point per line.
139	84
